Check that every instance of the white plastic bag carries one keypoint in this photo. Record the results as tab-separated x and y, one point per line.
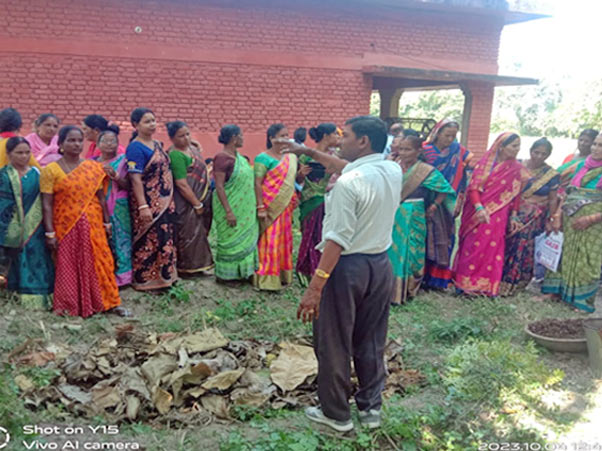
548	250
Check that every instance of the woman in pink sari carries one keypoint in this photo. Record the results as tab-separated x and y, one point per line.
275	175
493	196
44	140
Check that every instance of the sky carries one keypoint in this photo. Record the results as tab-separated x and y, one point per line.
562	47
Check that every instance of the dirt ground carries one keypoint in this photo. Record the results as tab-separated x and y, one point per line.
565	412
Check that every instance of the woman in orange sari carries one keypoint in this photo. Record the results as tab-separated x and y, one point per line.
77	223
493	198
276	199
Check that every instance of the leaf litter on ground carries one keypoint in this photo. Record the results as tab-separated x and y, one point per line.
187	377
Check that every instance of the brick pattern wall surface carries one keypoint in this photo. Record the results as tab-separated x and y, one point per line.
298	27
151	68
480	117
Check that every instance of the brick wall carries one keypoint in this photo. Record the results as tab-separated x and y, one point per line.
480	117
211	63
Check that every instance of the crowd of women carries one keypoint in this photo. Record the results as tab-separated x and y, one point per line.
77	225
503	205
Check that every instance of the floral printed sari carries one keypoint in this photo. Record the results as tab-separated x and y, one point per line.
479	262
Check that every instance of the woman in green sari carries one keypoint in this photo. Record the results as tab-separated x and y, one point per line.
25	263
234	210
578	276
424	190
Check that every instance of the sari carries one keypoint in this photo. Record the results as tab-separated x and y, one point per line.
452	163
39	148
311	215
519	260
421	184
49	155
236	256
119	209
85	281
4	155
479	262
275	247
25	261
153	245
192	230
578	275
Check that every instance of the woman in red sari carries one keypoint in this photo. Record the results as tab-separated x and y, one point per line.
493	196
275	175
77	223
93	125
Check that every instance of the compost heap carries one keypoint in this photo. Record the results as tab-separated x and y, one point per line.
193	378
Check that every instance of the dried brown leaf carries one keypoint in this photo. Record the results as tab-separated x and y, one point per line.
74	393
37	358
155	368
162	400
246	397
223	381
105	396
195	392
133	382
217	405
24	383
132	407
201	369
294	364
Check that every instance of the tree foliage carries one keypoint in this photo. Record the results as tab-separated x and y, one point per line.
554	109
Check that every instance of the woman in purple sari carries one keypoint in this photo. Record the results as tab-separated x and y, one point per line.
493	198
315	180
448	156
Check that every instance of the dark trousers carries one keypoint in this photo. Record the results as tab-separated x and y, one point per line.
354	312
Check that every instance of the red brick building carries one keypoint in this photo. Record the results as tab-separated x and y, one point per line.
250	62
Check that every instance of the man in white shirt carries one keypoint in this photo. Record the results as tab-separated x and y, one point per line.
349	295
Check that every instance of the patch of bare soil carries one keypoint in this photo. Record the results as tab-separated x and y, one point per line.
558	328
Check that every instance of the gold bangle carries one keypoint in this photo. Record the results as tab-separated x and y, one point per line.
322	274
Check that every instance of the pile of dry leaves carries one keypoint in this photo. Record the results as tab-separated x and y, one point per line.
192	377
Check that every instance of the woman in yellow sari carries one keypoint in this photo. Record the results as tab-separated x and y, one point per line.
77	223
276	200
10	124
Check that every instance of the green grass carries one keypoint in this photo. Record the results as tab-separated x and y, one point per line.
485	382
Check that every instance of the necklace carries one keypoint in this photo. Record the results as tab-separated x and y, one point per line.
71	168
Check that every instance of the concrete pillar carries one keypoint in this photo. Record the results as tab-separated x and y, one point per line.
389	102
476	118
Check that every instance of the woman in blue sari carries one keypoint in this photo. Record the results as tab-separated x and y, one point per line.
451	159
25	263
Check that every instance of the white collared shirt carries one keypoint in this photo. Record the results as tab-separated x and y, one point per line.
360	209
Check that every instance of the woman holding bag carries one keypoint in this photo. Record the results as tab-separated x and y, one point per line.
577	280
